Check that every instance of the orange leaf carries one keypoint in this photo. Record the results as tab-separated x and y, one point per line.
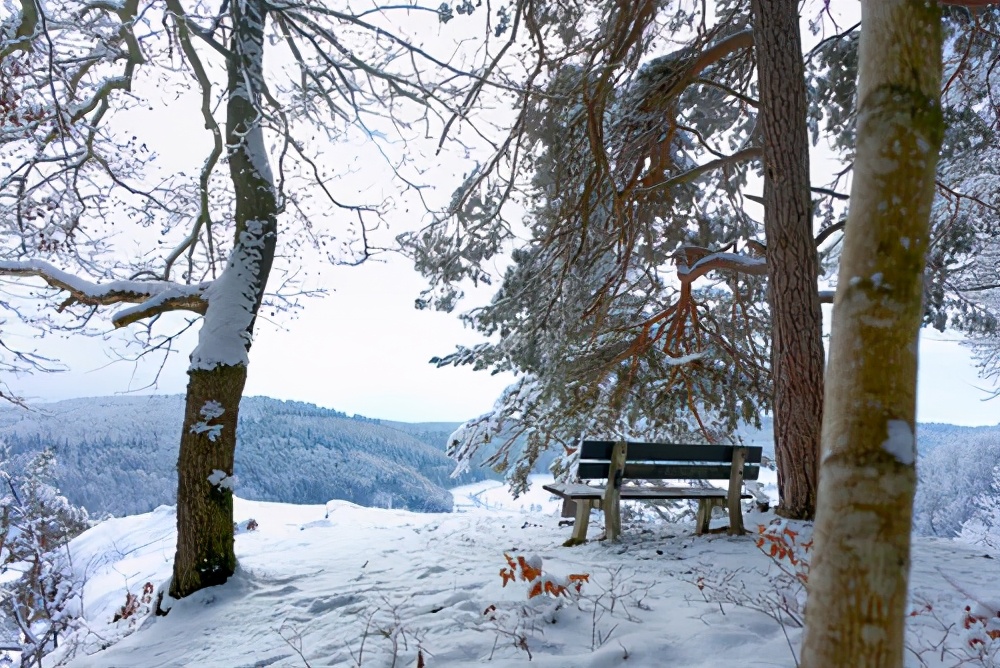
536	590
554	589
527	571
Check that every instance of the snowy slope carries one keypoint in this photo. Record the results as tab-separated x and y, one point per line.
342	585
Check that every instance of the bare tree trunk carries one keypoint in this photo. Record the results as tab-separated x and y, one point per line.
861	562
205	554
797	345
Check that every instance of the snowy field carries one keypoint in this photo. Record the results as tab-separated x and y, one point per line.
342	585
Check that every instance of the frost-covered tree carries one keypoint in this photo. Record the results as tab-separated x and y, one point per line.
273	85
638	304
953	484
638	279
962	279
607	155
983	527
39	591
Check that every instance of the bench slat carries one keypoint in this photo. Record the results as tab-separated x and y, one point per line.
592	470
580	491
659	452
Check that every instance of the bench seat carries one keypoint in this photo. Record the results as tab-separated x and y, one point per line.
578	490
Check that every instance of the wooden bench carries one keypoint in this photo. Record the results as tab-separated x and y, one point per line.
621	461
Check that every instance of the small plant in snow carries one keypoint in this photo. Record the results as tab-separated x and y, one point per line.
246	526
783	598
387	622
136	607
972	639
519	622
530	570
515	625
612	601
789	550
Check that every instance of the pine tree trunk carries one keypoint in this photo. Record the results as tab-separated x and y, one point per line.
793	267
861	556
205	551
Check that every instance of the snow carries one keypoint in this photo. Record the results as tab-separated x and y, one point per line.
153	293
224	338
345	585
900	443
159	299
730	258
683	359
222	480
209	411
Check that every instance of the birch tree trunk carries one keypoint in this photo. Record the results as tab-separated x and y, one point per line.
861	558
793	267
205	552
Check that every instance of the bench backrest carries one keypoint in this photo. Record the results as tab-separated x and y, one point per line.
654	461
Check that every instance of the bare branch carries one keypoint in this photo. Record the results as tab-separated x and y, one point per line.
152	297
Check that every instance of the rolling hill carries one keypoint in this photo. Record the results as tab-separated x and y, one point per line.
118	454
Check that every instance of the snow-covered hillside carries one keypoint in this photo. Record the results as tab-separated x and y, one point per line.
119	454
342	585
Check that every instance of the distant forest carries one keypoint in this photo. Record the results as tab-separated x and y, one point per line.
118	455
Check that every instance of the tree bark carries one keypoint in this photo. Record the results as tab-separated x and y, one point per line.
205	550
861	556
793	267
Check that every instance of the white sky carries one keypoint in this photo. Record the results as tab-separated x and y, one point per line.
361	349
365	349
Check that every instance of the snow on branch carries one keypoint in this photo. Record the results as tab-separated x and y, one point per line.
150	297
746	264
693	262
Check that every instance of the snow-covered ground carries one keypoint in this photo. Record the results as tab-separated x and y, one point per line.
342	585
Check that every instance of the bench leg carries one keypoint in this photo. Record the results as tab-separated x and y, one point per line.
704	516
579	536
568	508
735	514
735	488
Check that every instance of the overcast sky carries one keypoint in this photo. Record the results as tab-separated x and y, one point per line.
364	349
